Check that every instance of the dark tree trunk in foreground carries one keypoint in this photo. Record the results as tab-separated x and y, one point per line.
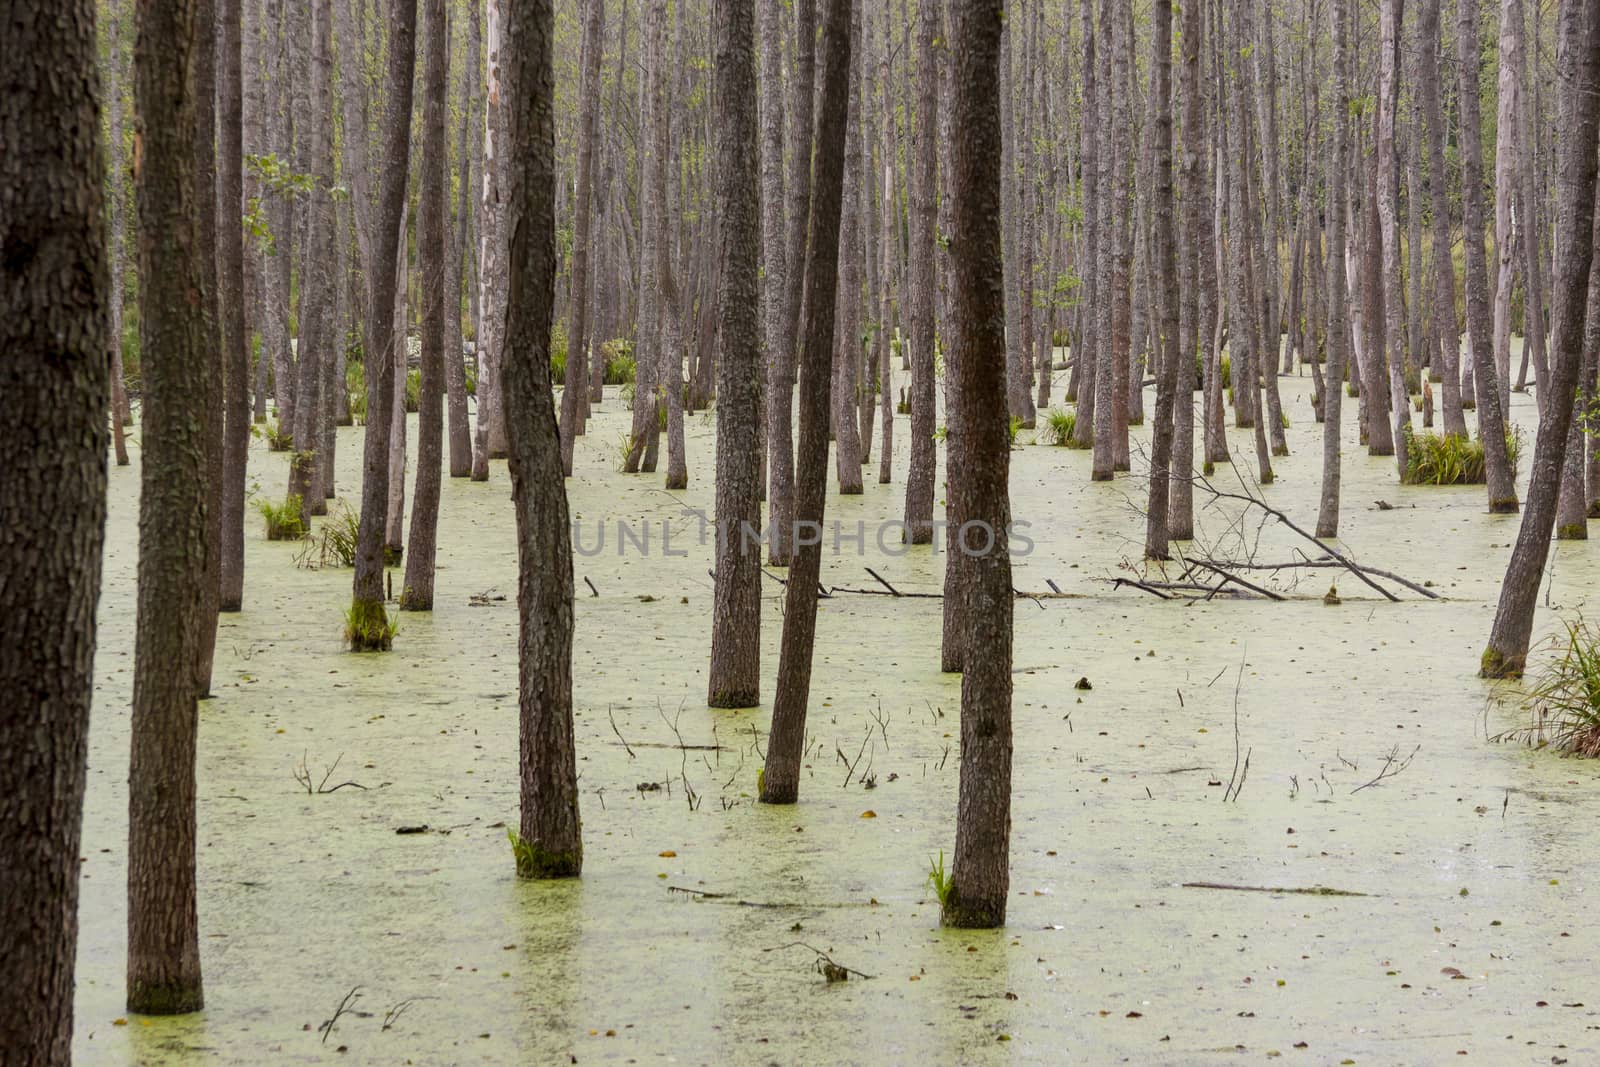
423	540
55	337
981	873
574	392
367	626
550	844
1579	78
230	299
1502	486
174	515
780	783
735	680
1166	350
921	475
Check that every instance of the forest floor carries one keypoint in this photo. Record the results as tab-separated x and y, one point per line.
1474	935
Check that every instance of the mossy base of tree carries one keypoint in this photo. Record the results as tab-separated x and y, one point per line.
962	914
1573	531
734	699
166	998
1469	405
1504	506
535	863
393	555
1496	664
367	627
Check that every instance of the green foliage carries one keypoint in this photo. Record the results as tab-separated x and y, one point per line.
1060	428
535	862
558	353
336	544
939	880
279	439
355	382
1450	459
413	389
1565	702
1012	427
620	367
285	522
367	627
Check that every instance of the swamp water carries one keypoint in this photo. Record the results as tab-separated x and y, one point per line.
1473	935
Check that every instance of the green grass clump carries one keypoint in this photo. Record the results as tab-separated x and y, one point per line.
620	367
535	862
413	389
938	879
336	544
1012	426
279	439
355	383
558	353
1058	428
286	522
1450	459
1564	704
367	627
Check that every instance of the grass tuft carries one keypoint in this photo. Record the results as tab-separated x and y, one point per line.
1564	704
1450	459
285	522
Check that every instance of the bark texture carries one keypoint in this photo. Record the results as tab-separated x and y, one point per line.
174	516
1578	65
780	781
980	876
550	842
735	677
55	339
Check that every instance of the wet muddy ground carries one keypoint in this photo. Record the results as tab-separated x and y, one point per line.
685	940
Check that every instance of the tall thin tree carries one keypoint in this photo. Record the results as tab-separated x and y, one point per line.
735	678
780	781
550	843
980	876
1578	67
174	517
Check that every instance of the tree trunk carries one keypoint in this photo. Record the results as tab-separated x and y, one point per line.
1388	179
735	678
1338	320
1578	65
775	267
780	780
417	593
1086	356
652	180
1505	190
847	323
367	625
395	508
573	393
550	844
1168	353
1502	486
455	377
489	437
1180	503
117	213
55	340
921	473
980	877
1444	271
175	512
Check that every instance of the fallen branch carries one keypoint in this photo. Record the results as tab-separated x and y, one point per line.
825	964
1323	564
1314	891
1392	765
